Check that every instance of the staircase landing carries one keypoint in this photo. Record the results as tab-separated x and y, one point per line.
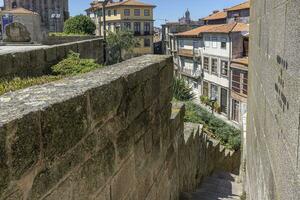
219	186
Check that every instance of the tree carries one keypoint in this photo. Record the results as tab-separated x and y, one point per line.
119	42
79	24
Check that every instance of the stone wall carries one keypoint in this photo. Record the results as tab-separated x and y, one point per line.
38	62
273	136
111	134
52	40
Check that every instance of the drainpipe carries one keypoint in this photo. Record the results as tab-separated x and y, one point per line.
229	77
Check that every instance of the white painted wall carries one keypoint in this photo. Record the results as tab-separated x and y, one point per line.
213	47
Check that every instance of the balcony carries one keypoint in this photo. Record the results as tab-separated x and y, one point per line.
191	73
186	53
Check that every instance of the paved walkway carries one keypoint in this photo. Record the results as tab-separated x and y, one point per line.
219	186
14	49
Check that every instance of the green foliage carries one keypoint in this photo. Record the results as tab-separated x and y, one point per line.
228	135
9	85
204	100
181	90
73	65
118	42
79	24
58	34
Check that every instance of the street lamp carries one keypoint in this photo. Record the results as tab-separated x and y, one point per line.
104	3
213	100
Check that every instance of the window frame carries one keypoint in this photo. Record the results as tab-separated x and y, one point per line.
214	42
207	41
147	11
137	14
147	39
204	64
227	74
115	12
212	66
127	12
224	40
108	13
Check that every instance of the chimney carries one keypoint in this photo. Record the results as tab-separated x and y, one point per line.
215	11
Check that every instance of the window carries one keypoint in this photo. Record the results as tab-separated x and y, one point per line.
223	43
137	12
206	64
137	28
205	89
127	12
109	26
127	25
109	13
181	42
99	13
207	41
224	96
214	66
182	63
235	110
115	12
214	91
146	12
147	28
146	42
214	42
245	83
236	81
224	68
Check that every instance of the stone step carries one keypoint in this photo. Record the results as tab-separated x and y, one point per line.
226	175
222	185
208	195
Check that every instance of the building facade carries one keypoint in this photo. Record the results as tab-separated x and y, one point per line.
204	57
130	15
171	28
53	12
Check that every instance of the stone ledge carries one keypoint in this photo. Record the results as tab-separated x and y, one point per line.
17	104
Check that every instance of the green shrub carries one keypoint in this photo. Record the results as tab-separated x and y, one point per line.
73	65
9	85
182	91
79	24
204	100
228	135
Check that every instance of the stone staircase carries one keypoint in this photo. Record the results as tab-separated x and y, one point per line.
219	186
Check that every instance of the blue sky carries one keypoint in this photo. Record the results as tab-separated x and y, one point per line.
168	9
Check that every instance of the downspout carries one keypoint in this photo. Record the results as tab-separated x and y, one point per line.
229	77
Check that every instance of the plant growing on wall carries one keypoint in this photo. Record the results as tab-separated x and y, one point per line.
79	24
73	65
182	91
119	43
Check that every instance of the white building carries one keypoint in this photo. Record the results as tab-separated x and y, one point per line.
203	59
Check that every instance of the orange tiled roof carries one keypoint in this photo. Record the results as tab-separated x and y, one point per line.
245	5
123	3
243	61
218	28
241	27
19	11
218	15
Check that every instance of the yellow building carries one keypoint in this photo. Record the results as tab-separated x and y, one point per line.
127	14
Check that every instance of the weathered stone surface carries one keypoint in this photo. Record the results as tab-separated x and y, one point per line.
109	134
24	144
4	171
272	154
38	62
17	32
63	126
